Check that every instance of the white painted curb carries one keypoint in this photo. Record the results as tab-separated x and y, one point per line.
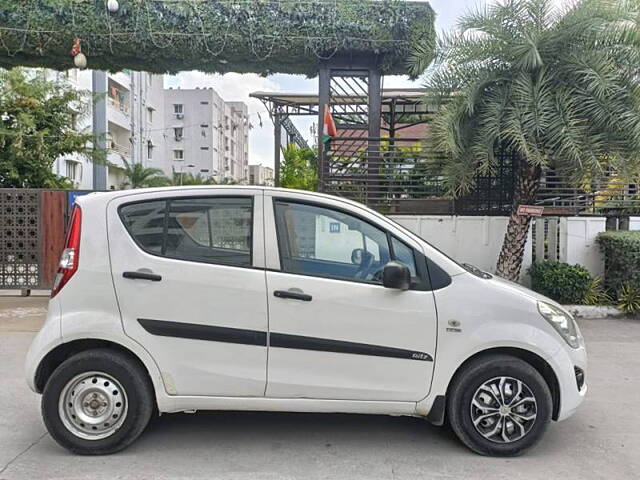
594	311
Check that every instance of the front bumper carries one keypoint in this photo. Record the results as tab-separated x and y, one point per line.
566	360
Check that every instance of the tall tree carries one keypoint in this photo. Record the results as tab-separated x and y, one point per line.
36	128
556	88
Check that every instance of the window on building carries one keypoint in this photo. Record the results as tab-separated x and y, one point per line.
178	154
204	148
71	169
149	150
178	133
178	108
209	230
204	103
149	114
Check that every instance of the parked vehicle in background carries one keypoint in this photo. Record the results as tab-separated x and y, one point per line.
172	299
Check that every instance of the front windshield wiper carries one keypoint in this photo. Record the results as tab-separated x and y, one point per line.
476	271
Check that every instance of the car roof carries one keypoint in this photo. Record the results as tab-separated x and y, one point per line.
112	194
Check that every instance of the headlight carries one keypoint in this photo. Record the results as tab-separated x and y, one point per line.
562	322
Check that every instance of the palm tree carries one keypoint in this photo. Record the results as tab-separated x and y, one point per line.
557	89
138	176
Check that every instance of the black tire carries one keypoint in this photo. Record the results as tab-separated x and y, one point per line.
471	377
132	377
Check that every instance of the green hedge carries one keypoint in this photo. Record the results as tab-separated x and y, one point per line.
621	259
167	36
560	281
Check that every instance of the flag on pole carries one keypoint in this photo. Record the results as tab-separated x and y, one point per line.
329	127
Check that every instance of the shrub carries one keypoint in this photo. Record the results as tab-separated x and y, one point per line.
621	259
595	294
560	281
629	300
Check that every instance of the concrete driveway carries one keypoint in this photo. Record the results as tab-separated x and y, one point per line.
601	441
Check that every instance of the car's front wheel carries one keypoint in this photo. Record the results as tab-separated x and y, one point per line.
499	405
97	402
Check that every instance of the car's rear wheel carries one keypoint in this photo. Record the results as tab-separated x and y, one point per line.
499	405
97	402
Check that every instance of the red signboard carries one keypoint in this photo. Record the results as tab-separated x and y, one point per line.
532	210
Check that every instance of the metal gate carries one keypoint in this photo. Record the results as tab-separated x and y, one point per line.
32	234
20	252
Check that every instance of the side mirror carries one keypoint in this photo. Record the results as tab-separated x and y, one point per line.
396	275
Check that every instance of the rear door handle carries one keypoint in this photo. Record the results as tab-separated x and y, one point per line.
292	295
142	276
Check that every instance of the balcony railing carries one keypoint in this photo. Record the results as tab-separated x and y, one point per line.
123	107
121	149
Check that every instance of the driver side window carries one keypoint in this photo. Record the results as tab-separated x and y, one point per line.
323	242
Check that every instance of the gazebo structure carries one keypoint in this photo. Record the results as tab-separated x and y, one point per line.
379	156
401	115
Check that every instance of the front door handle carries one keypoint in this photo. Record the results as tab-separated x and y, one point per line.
292	295
142	276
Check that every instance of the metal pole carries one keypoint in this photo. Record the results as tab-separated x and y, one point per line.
99	91
277	139
373	149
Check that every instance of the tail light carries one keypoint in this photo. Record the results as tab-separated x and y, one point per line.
71	253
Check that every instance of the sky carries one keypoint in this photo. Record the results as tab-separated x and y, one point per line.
237	87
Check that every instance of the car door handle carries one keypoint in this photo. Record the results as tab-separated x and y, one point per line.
292	295
142	276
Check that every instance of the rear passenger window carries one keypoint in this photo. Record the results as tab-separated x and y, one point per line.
212	230
209	230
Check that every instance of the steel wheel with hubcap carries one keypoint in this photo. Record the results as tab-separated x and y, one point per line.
503	409
93	405
97	401
499	405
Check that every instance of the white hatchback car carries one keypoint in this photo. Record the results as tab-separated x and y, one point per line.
248	298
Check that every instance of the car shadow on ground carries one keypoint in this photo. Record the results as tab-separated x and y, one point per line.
279	430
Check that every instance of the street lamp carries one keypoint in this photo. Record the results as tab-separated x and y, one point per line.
181	173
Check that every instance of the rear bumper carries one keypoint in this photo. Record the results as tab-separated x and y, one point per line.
48	338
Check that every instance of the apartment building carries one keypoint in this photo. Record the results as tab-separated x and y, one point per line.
134	120
205	135
261	175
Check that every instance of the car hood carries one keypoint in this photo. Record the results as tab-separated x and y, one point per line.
518	289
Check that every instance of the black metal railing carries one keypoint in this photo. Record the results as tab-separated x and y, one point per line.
402	175
387	174
609	195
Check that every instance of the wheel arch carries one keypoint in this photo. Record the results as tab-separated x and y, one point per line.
60	353
533	359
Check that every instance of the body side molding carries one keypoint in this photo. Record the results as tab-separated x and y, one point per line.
211	333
